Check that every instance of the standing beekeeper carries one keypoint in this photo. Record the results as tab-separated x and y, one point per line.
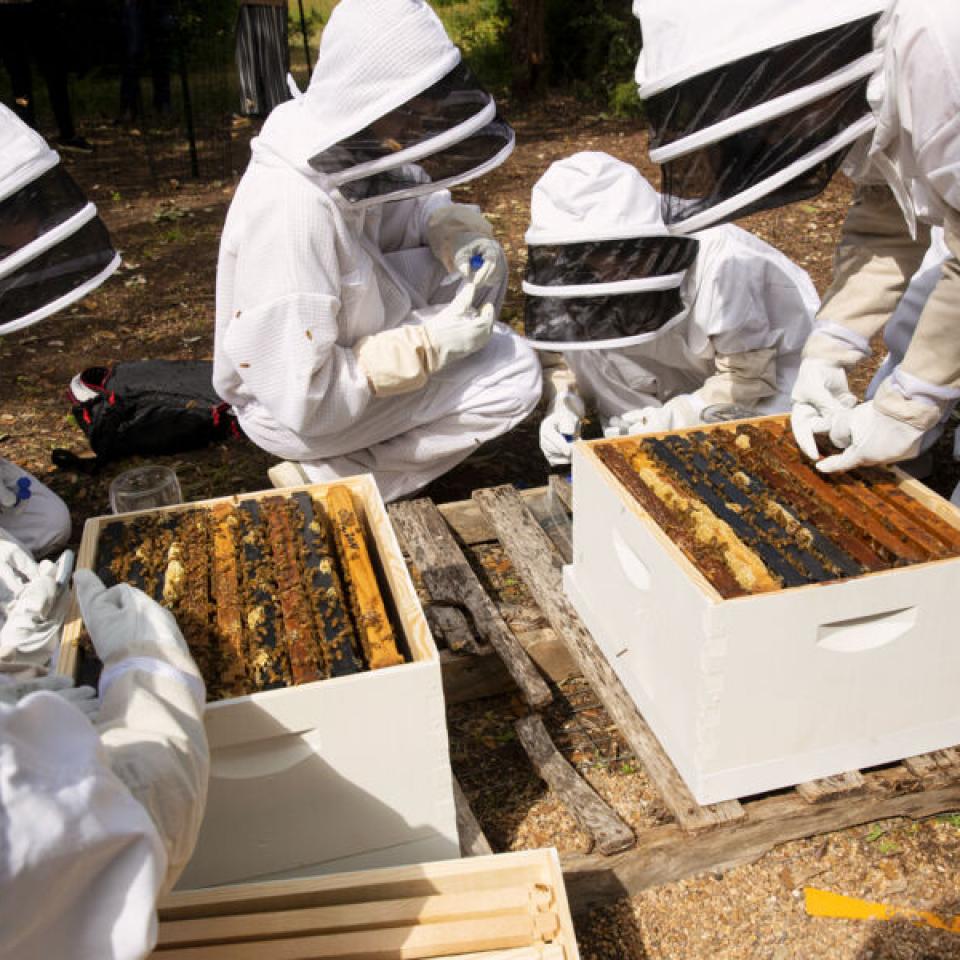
760	107
53	251
356	303
655	329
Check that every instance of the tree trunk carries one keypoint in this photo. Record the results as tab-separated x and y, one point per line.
528	47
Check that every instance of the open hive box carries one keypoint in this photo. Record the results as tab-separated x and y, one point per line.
326	716
506	907
773	624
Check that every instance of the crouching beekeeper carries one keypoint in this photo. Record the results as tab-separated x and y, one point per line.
356	303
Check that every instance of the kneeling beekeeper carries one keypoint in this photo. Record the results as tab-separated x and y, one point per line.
654	329
356	303
100	799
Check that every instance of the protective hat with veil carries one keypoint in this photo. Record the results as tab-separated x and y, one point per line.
54	249
753	105
602	271
403	118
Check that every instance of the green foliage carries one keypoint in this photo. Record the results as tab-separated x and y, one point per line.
624	101
479	29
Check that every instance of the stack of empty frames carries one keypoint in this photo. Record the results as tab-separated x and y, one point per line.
446	135
747	116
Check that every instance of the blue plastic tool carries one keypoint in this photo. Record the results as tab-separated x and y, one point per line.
476	261
23	489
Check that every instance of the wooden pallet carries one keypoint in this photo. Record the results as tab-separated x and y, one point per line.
714	837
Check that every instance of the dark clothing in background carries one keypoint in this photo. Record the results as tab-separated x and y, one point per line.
29	29
147	27
263	56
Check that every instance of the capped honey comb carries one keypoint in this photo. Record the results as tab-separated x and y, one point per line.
753	515
270	592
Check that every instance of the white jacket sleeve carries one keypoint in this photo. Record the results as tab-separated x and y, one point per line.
279	340
404	222
81	862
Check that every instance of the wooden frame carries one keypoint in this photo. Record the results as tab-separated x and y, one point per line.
505	906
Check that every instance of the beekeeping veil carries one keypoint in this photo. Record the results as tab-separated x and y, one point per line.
54	249
752	104
602	272
396	112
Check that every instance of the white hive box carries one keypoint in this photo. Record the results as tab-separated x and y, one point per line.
345	773
511	906
773	689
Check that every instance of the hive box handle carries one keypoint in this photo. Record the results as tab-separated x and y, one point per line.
866	633
264	758
634	569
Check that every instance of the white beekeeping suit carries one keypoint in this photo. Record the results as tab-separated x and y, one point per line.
909	175
655	328
53	251
99	812
355	303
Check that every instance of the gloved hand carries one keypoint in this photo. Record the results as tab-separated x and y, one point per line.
821	396
679	412
13	689
458	330
125	624
32	603
402	359
891	426
870	437
462	239
560	427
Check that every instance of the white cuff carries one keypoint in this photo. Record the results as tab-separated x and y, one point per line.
845	335
913	388
156	667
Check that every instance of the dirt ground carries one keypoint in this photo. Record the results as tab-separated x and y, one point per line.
160	305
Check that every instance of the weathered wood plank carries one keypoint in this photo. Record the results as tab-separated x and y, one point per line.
538	563
939	763
829	788
562	489
666	854
450	624
449	579
609	833
469	524
473	841
467	677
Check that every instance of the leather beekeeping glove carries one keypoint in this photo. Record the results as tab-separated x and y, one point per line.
679	412
821	392
33	604
401	360
561	427
462	239
891	426
151	711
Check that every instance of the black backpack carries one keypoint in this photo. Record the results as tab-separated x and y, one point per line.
146	408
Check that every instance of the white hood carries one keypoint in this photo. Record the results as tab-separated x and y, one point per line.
24	154
592	196
684	38
374	56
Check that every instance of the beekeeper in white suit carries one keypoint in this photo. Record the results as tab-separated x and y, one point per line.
99	818
356	304
760	106
655	329
909	173
53	251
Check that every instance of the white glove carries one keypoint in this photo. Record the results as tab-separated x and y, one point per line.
129	630
462	239
32	603
677	413
83	698
561	427
821	396
870	437
458	330
402	359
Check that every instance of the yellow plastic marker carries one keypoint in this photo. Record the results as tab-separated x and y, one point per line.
823	903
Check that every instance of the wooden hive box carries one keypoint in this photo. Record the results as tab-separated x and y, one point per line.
782	683
347	772
510	906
